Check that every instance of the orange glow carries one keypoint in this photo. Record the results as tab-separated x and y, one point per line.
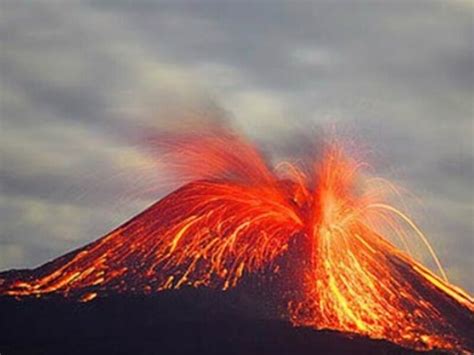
238	216
358	281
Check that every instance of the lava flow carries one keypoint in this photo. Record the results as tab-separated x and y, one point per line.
238	216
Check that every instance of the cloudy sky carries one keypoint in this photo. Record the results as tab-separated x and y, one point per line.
79	77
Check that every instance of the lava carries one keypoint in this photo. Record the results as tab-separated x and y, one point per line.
360	282
235	215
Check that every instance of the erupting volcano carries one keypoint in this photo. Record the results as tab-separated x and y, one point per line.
237	216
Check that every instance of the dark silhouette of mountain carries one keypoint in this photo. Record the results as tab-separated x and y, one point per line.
188	321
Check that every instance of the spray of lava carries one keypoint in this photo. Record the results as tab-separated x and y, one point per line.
357	280
238	216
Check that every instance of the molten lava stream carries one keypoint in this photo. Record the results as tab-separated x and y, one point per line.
359	282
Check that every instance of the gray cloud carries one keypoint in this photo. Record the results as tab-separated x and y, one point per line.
79	81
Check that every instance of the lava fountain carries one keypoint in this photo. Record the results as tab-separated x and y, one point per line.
237	216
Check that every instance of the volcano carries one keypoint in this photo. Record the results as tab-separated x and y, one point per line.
319	240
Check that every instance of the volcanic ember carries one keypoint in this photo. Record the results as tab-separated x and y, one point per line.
237	216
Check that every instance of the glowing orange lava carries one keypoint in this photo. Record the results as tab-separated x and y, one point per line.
360	282
237	216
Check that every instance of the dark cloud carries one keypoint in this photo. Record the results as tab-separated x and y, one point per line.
81	81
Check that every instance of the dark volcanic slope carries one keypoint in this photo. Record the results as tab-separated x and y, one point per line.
175	322
214	234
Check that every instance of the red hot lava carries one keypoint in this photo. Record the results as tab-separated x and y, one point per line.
238	216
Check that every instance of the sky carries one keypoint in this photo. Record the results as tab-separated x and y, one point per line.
79	79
